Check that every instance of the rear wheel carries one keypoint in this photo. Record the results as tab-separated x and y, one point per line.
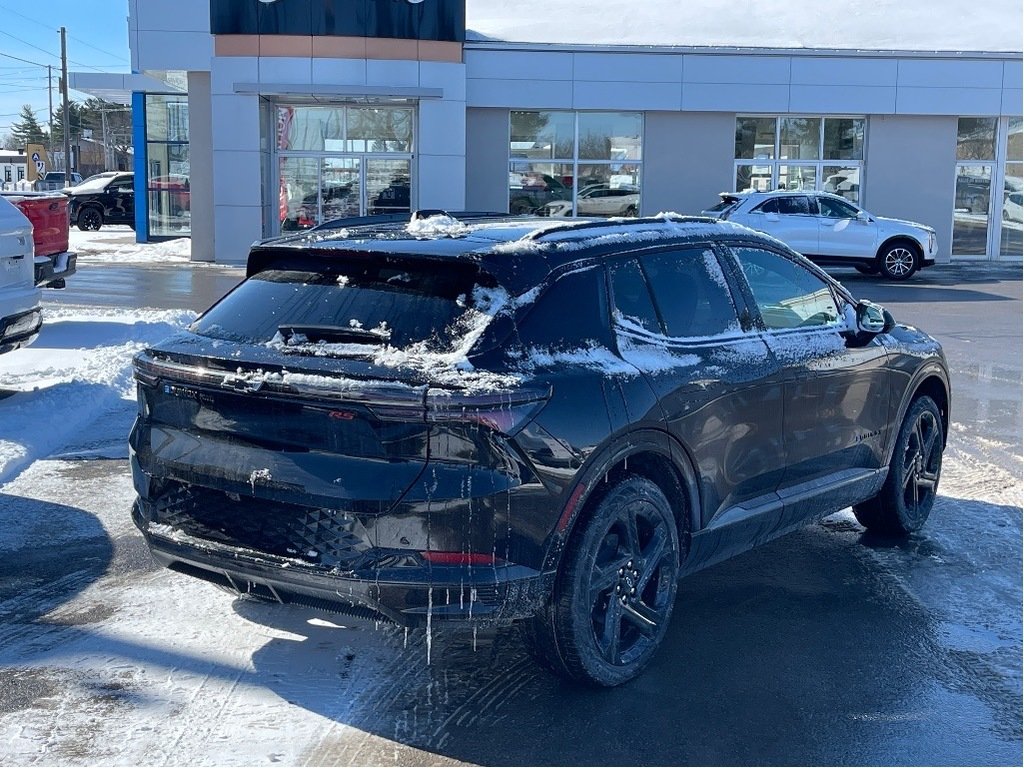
89	219
615	593
898	260
906	499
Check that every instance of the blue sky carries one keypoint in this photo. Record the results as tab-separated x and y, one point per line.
97	41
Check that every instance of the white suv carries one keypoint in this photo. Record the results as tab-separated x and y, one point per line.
20	316
829	229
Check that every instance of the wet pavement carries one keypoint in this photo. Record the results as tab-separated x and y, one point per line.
828	647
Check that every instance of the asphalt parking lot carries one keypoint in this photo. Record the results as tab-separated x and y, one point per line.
827	647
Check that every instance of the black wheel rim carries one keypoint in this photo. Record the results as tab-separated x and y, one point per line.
91	219
922	463
632	584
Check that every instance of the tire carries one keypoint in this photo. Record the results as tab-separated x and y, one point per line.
89	219
906	499
631	212
866	269
898	260
520	208
615	592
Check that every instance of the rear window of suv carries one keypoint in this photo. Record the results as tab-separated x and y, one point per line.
365	301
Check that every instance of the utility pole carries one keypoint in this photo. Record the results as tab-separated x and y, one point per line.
64	94
106	146
49	88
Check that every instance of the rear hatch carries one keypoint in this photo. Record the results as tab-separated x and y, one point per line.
316	380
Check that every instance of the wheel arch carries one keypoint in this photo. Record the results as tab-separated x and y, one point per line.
902	238
933	381
649	453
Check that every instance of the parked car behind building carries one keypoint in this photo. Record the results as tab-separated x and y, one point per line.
829	229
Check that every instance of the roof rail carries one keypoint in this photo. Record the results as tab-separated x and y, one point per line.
661	218
402	218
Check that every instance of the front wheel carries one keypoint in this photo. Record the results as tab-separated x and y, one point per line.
89	219
906	499
616	589
898	261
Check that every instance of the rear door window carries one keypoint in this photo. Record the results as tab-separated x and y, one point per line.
691	293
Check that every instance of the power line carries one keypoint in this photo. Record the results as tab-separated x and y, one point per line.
51	29
18	58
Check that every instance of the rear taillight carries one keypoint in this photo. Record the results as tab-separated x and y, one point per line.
461	558
505	412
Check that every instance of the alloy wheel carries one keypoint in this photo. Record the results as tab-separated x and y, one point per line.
631	584
899	262
922	458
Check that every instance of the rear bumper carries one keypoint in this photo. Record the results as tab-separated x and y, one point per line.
58	266
410	596
20	330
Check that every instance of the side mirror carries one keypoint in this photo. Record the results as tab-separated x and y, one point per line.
865	321
863	216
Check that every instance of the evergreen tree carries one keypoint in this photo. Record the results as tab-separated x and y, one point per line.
28	130
74	118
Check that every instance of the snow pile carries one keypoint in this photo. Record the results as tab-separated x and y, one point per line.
117	245
439	225
78	369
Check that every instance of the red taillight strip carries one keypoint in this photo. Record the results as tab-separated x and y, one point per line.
570	507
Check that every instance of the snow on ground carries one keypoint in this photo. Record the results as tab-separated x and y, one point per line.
117	245
78	368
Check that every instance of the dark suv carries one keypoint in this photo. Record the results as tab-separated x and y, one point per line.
520	419
103	199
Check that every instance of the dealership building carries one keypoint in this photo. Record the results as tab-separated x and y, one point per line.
256	117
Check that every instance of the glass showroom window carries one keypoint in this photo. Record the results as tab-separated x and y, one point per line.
338	161
800	153
167	164
1010	240
575	163
975	169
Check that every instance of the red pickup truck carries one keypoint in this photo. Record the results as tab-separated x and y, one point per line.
48	212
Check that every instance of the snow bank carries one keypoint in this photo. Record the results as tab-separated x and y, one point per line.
78	369
117	245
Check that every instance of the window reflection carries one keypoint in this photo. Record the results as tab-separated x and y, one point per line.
1010	239
970	211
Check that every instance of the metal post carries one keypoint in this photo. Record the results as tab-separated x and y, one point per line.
49	88
64	94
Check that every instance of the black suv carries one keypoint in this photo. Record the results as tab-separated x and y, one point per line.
103	199
519	419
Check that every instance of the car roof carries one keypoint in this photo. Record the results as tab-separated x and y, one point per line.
756	195
518	251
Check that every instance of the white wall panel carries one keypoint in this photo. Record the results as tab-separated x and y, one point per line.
236	177
227	70
387	72
519	94
944	74
442	128
339	71
628	67
641	96
449	77
519	65
744	70
843	99
285	69
441	181
235	229
948	101
173	50
735	98
820	70
236	122
176	16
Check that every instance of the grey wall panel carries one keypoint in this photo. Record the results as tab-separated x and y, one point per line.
688	160
908	172
201	176
487	159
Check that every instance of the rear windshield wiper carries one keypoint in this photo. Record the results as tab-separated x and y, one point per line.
335	333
